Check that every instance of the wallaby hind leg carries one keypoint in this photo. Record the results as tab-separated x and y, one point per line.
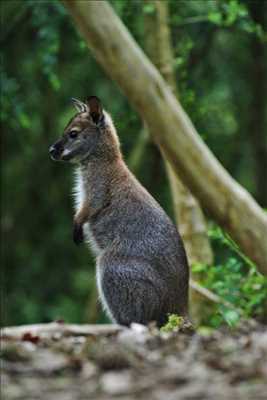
132	291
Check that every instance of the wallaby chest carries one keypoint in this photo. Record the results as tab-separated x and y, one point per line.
84	195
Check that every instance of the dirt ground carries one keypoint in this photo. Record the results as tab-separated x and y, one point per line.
69	362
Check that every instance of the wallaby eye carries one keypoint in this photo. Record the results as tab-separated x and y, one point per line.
73	134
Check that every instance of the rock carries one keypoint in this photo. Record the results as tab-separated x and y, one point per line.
117	383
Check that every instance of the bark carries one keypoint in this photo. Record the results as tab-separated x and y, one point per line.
188	214
227	202
137	155
53	329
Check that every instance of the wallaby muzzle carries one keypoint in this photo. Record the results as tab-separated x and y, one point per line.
55	150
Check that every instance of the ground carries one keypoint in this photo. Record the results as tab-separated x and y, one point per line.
102	362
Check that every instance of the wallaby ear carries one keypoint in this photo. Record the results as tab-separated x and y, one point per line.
79	105
95	108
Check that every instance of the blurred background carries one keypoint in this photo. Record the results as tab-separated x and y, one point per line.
220	68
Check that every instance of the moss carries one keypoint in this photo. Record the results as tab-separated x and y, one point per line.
173	324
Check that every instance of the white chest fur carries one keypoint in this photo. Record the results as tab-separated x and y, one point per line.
79	190
81	195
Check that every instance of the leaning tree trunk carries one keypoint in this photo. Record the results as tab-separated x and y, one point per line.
188	214
226	201
258	90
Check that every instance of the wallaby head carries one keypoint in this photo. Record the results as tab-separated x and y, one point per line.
89	133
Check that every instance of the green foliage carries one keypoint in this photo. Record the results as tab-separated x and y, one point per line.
148	8
226	14
236	281
173	324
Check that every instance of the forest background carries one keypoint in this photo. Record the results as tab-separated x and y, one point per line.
219	53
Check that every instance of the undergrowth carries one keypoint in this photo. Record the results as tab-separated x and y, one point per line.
236	281
174	323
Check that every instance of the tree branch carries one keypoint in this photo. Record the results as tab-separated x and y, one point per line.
189	216
58	329
227	202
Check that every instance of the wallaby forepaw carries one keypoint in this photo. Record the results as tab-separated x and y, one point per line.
78	233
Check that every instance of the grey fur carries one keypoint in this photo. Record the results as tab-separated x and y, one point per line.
142	269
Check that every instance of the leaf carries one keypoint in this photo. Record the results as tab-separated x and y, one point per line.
215	18
24	120
148	8
231	317
198	268
55	82
173	324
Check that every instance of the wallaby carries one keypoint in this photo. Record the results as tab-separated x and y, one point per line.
141	266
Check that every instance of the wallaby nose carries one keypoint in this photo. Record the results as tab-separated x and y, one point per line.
54	152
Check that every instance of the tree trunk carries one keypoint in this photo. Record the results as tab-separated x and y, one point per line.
188	214
137	155
227	202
